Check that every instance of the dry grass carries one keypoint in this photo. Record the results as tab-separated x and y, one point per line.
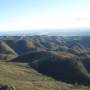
23	78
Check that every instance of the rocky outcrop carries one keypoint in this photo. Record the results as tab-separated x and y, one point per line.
6	87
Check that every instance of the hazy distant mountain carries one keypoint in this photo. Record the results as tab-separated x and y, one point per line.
51	32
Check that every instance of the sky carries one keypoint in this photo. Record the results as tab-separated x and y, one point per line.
44	14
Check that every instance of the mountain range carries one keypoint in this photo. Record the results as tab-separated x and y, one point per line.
50	32
66	59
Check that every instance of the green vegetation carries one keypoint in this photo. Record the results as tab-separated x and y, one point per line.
25	62
23	78
62	66
26	79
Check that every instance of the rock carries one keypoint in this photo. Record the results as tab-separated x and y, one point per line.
6	87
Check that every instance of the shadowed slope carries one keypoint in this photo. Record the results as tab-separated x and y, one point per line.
6	52
83	53
62	66
21	46
23	78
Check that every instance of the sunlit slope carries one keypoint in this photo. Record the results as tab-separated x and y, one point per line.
23	78
6	52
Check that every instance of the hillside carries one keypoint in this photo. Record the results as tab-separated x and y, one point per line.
62	66
26	44
6	52
38	61
23	78
83	53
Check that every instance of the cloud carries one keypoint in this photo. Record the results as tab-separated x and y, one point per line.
79	18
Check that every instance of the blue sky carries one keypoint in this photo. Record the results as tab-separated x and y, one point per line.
44	14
